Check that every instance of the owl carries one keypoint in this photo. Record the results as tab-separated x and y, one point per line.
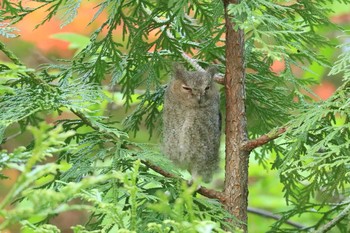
192	122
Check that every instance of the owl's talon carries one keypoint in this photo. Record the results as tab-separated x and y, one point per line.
190	184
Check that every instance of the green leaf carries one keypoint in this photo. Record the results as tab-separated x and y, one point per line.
76	41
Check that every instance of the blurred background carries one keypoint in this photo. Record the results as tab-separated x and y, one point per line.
52	41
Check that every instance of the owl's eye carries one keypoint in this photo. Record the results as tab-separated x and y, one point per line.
186	88
207	88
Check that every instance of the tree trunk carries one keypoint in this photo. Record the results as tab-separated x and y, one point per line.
236	175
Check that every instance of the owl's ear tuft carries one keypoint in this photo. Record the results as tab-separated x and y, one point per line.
179	71
212	70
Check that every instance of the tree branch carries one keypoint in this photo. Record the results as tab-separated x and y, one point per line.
210	193
220	79
17	62
262	140
10	55
4	140
268	214
334	221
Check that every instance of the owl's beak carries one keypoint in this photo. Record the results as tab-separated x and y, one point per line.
199	99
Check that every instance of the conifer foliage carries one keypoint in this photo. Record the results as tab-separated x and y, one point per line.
84	162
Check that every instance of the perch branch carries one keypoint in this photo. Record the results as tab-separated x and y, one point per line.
262	140
210	193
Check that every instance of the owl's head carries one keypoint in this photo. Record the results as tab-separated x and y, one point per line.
195	88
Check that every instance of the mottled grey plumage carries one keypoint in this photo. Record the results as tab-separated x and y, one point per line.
191	122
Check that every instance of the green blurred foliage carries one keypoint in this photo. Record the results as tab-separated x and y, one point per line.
112	88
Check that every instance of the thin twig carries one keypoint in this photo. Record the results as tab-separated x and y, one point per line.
219	78
10	55
10	137
262	140
268	214
334	221
17	62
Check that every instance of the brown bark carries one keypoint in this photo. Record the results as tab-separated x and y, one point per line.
236	170
210	193
262	140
